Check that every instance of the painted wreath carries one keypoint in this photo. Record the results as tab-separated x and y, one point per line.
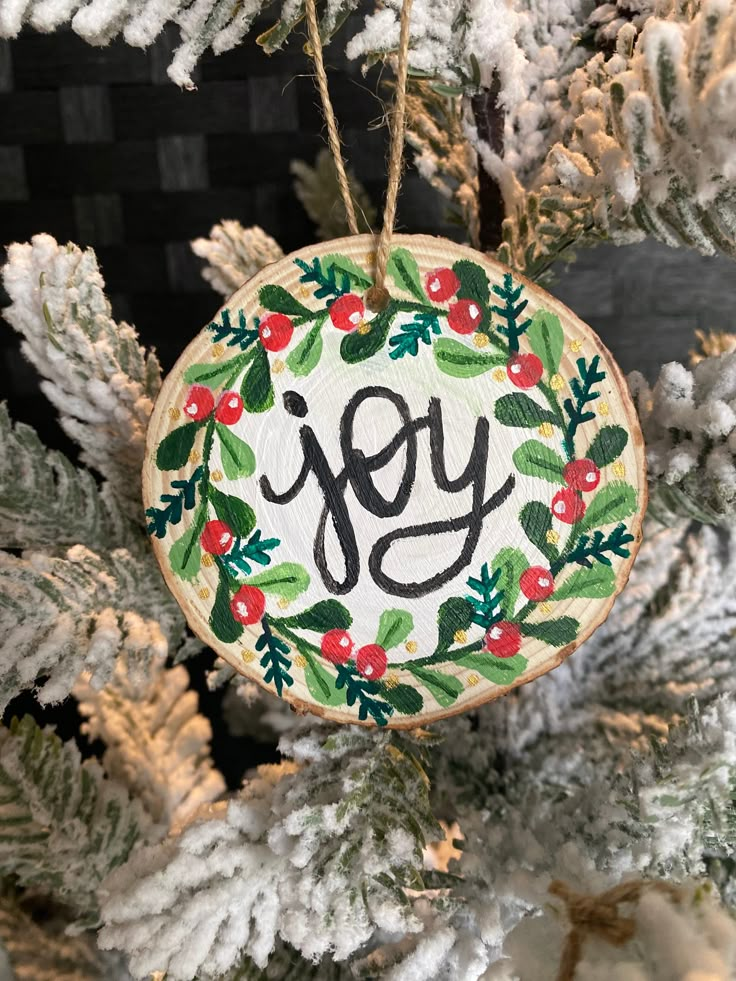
578	528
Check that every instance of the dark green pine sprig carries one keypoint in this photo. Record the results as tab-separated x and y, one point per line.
242	554
511	311
184	500
328	282
360	690
409	336
589	548
275	659
242	335
583	390
487	604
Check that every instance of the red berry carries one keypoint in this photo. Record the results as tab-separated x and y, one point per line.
582	475
200	402
275	331
524	370
337	646
537	583
441	284
372	661
567	506
347	312
503	639
248	604
229	408
216	538
465	316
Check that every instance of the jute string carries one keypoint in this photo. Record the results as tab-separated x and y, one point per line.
377	296
598	916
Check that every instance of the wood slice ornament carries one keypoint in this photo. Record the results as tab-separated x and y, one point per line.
387	518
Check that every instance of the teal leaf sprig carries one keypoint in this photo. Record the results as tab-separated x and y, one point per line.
488	601
407	340
330	281
274	659
584	392
511	311
239	560
360	690
595	547
241	336
175	504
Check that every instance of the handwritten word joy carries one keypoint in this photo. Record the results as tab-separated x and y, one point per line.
357	472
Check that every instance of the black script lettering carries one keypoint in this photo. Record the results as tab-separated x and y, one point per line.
357	470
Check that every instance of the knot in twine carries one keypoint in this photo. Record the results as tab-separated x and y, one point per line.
598	916
377	296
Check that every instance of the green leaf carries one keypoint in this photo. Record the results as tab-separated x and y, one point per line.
512	562
536	520
279	300
305	356
238	459
237	515
287	580
444	688
321	684
214	375
256	389
323	616
473	281
393	628
403	269
460	361
594	582
521	411
357	347
222	622
499	670
404	698
614	502
453	615
537	460
547	339
556	633
609	443
185	554
343	264
174	449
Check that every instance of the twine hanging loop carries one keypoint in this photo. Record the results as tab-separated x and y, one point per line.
377	296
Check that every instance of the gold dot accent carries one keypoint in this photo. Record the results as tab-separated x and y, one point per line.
247	657
545	608
300	661
218	350
216	475
207	560
480	340
370	258
204	593
194	456
364	327
556	382
603	409
283	603
576	345
552	537
473	680
498	374
391	680
174	413
411	647
460	637
303	292
278	366
619	469
546	429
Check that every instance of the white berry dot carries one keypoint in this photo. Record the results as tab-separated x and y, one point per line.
343	642
543	581
434	285
192	408
233	403
496	633
515	369
473	311
590	477
368	670
354	318
560	507
266	331
242	609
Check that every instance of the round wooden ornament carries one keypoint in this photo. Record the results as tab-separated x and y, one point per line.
387	518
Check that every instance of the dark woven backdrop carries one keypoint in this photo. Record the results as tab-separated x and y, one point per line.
98	146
